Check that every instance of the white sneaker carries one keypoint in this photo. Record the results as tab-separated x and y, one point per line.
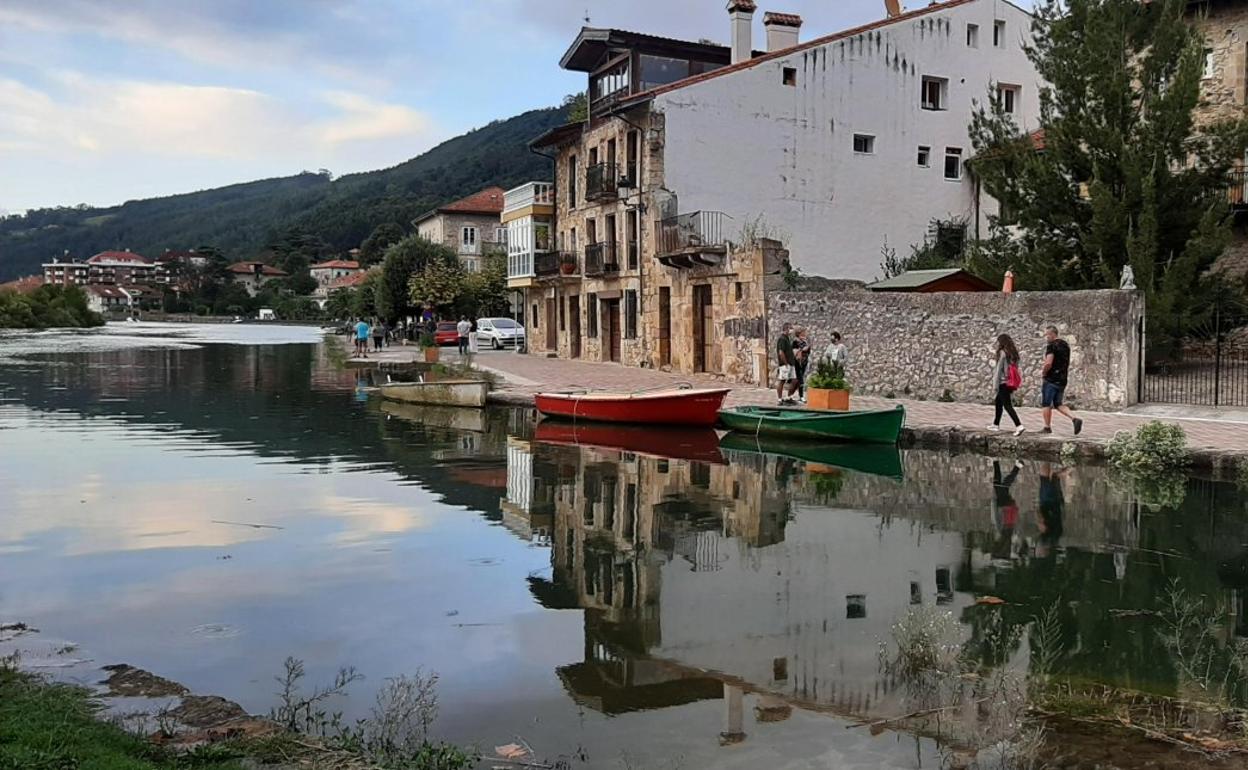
994	428
1020	430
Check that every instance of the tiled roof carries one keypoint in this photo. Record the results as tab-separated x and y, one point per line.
119	256
108	292
742	5
488	201
23	285
783	19
913	279
342	264
350	281
247	268
816	42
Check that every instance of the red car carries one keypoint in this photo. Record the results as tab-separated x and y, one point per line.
447	334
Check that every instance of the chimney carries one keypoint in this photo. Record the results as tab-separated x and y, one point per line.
892	8
782	30
742	14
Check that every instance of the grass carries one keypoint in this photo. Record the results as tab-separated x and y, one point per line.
47	726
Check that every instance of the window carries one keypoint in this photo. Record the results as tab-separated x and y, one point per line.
533	318
1208	73
572	187
934	92
864	144
789	76
740	291
780	669
632	147
972	36
468	236
953	163
1007	98
500	235
998	34
630	314
563	313
591	316
630	238
856	606
925	156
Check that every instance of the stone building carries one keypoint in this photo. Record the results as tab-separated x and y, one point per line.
696	157
470	226
253	275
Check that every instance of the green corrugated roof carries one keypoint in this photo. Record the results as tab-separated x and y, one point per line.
913	279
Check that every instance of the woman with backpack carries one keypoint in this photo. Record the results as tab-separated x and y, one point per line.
1008	378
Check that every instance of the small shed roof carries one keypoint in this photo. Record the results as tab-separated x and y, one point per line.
913	280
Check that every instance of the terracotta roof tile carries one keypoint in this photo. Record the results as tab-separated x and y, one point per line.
742	5
816	42
350	281
488	201
118	256
783	19
344	264
248	268
23	285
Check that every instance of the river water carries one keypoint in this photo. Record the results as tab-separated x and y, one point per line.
204	501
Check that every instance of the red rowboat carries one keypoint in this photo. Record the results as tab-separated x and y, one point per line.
672	406
677	443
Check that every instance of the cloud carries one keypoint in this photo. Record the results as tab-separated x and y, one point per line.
100	116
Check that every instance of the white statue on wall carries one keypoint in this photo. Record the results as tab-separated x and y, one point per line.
1128	278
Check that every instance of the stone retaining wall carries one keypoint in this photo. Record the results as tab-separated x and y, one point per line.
940	345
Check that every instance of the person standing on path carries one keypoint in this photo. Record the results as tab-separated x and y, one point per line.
379	334
836	353
1006	379
786	371
463	328
362	332
1056	371
801	355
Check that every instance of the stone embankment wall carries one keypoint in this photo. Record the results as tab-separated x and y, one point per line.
932	346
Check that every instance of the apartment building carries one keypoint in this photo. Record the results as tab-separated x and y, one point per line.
471	226
108	268
694	154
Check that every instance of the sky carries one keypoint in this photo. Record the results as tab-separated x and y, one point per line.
103	101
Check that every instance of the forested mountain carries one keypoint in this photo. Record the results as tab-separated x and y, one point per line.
242	219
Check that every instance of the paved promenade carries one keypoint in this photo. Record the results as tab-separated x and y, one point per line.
930	422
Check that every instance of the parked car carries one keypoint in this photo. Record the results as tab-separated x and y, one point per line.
447	333
499	332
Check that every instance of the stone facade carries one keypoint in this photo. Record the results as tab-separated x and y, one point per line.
447	228
930	345
1224	89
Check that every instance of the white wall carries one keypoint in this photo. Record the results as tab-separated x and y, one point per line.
746	144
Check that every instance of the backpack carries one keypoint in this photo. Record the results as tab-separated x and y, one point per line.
1013	377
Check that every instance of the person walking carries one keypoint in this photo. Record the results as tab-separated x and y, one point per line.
362	332
379	334
1007	378
786	370
1056	372
801	355
463	328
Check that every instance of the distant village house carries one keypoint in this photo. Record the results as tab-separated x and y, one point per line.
253	275
470	226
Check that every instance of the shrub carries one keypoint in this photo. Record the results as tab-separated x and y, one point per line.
1155	447
828	375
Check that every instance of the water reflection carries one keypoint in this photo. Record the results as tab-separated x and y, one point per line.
579	585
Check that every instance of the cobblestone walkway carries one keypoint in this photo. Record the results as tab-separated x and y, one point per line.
526	375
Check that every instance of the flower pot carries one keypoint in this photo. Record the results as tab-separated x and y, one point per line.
431	355
567	268
821	398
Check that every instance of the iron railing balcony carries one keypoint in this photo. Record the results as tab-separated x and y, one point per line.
1237	188
695	234
602	182
602	258
551	264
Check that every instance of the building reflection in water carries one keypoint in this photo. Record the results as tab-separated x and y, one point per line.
714	576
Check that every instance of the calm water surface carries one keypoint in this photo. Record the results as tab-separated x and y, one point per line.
205	501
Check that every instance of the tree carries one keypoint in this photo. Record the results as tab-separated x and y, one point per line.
374	246
441	285
338	304
576	107
1123	173
486	290
409	256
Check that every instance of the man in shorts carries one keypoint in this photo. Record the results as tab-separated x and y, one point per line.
362	332
1053	389
786	373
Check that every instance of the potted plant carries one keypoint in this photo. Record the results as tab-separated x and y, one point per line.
826	388
430	345
567	264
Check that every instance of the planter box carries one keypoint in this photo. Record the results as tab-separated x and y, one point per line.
834	400
431	355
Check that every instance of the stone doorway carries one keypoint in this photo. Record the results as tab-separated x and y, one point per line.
665	326
574	310
611	329
703	330
552	328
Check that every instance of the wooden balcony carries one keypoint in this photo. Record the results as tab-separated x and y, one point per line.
693	239
602	259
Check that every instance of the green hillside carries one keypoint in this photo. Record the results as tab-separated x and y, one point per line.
242	219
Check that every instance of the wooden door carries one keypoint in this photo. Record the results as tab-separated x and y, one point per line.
703	330
665	326
552	325
612	320
574	327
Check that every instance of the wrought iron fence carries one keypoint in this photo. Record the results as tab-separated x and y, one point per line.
696	230
601	181
602	258
1206	364
555	263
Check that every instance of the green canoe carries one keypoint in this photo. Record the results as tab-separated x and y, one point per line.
876	459
872	427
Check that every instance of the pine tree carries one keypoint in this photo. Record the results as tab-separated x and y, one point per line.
1123	173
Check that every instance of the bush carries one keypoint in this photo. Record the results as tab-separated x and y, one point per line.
1155	447
828	376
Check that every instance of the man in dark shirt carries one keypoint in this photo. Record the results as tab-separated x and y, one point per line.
786	367
1053	391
